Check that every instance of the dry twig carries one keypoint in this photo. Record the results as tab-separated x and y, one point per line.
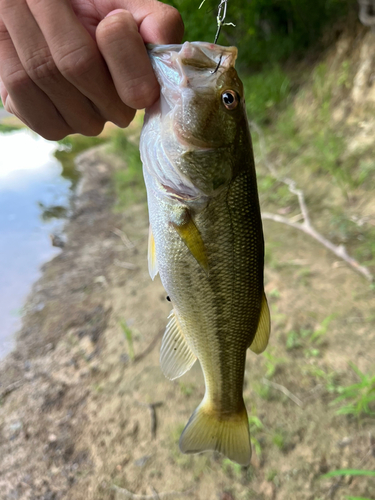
305	225
128	244
148	349
125	265
155	493
154	423
11	387
284	390
167	494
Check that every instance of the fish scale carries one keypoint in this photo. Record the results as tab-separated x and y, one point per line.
206	237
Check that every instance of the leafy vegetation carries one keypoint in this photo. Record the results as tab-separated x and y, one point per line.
360	397
266	31
308	339
350	472
265	92
68	148
256	426
128	182
128	334
6	129
271	362
357	498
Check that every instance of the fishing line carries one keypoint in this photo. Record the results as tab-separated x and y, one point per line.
220	18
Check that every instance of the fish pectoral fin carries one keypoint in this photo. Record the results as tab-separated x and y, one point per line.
176	357
152	262
262	335
229	434
192	238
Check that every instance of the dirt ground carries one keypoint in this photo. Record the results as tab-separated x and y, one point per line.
83	418
80	419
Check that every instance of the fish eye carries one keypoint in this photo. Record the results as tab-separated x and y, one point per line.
230	99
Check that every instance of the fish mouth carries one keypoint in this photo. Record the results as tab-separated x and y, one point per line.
181	68
202	55
189	65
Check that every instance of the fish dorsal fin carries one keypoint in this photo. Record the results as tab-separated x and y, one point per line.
192	238
176	357
152	262
264	329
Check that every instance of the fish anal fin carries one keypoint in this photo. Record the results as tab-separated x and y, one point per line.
192	238
176	357
229	435
152	262
262	335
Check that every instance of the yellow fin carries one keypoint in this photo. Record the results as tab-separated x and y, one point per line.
152	263
262	335
192	238
207	430
176	357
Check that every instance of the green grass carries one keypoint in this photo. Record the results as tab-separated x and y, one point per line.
7	129
128	334
231	468
68	148
307	136
256	426
350	472
128	182
186	388
307	339
271	362
303	142
278	439
265	92
359	397
357	498
330	379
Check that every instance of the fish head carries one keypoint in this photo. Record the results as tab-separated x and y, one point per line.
202	112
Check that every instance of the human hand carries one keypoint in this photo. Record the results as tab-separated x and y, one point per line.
68	66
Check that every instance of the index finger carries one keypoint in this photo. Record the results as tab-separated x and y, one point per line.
121	37
157	22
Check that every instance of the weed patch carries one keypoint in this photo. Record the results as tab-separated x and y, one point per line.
128	182
359	397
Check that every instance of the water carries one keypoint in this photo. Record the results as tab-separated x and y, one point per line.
32	195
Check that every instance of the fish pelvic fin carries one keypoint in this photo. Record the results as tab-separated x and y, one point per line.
227	434
152	262
262	335
176	357
192	238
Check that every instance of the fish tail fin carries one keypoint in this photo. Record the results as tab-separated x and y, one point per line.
228	434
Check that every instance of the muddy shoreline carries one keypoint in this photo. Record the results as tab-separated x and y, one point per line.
78	415
45	381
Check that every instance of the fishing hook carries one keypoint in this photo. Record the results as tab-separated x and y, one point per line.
218	65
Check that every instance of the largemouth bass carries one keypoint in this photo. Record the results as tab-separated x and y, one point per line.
206	237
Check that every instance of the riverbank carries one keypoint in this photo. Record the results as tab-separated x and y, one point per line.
86	413
85	408
50	378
